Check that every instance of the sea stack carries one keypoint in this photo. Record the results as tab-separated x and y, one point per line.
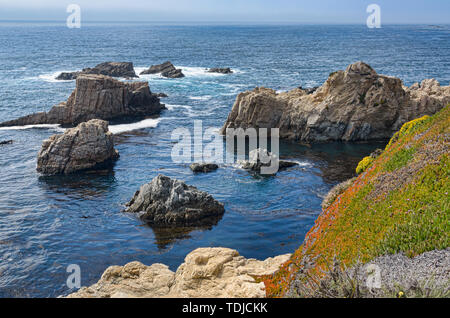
86	146
114	69
166	69
166	202
97	97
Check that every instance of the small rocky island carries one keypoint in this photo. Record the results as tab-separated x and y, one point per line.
87	146
260	158
221	70
166	202
97	97
166	69
114	69
352	105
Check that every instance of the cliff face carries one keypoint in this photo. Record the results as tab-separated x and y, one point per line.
398	204
97	97
352	105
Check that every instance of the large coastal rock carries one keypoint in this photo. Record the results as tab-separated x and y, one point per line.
84	147
352	105
206	272
166	69
168	202
97	97
114	69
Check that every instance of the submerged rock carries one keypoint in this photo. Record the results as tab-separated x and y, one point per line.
67	76
84	147
97	97
259	158
203	167
166	69
352	105
206	272
114	69
223	70
6	142
169	202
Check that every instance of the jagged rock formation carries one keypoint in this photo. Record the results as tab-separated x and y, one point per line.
355	104
259	158
168	202
84	147
166	69
203	167
97	97
222	70
206	272
114	69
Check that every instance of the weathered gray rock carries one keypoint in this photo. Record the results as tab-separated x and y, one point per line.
97	97
169	202
221	70
352	105
203	167
84	147
166	69
114	69
260	157
206	272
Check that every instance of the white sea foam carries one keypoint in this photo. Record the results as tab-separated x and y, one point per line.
188	71
205	97
39	126
146	123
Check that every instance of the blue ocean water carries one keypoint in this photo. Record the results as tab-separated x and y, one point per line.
47	223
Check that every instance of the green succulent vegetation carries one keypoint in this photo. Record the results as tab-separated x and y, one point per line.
399	203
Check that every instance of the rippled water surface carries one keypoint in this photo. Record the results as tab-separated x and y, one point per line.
47	223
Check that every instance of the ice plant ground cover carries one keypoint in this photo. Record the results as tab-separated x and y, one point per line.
400	203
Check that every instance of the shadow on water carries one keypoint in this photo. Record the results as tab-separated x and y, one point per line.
165	237
84	185
337	161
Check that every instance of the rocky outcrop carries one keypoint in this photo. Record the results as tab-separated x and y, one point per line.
114	69
206	272
166	69
203	167
97	97
259	158
352	105
84	147
167	202
221	70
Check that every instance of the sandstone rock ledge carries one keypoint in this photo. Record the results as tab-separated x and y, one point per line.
206	272
83	147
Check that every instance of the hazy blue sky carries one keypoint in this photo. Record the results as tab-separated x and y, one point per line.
290	11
